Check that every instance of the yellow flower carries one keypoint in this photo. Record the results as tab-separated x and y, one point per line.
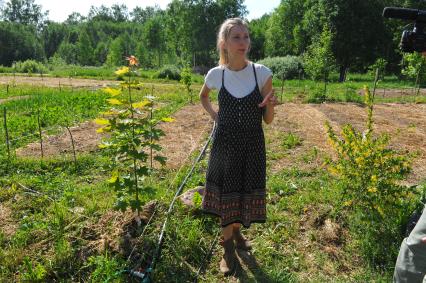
114	101
141	104
374	178
101	121
372	190
103	130
347	203
112	91
168	119
123	71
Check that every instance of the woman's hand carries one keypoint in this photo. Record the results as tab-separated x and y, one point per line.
270	100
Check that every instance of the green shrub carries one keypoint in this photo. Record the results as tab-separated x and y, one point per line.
289	67
170	72
316	95
368	173
30	66
4	69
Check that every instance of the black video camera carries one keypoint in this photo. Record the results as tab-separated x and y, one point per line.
414	40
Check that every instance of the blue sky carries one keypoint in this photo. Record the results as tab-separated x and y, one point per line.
59	10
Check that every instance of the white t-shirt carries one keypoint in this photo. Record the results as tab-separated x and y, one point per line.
238	83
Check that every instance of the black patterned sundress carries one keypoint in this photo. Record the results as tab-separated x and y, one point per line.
236	174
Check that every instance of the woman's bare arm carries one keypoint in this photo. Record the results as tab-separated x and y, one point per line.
205	101
269	101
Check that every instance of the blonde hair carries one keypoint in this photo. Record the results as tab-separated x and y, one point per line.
223	35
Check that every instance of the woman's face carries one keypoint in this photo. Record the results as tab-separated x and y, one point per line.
238	42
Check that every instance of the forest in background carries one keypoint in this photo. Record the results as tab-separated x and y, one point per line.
185	32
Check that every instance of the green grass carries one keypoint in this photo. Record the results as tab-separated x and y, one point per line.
60	225
68	107
288	248
101	73
348	91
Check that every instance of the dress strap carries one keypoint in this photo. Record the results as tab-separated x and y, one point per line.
223	75
255	76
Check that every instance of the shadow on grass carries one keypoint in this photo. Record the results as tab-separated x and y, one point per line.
248	259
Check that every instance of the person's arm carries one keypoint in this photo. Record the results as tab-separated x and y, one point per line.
205	101
269	101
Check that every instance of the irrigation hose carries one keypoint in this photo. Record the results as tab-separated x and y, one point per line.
146	275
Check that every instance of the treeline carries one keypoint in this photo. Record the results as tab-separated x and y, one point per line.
186	32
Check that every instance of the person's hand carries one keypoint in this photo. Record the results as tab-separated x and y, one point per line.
424	240
270	99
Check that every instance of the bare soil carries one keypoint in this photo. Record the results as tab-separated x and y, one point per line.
395	92
183	136
55	82
8	225
405	123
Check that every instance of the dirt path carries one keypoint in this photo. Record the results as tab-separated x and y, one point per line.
55	82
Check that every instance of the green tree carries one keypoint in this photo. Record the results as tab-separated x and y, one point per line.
74	19
258	37
84	49
53	34
18	43
100	53
140	15
284	31
25	12
119	13
155	38
101	13
192	26
319	60
68	52
119	49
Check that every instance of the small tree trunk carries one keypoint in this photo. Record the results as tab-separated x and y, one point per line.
376	79
342	74
73	147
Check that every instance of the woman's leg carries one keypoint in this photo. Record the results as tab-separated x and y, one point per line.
241	242
228	262
227	232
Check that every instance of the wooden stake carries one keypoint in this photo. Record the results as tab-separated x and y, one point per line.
40	133
6	133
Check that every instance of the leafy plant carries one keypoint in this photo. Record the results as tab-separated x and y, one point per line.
368	168
288	67
380	64
106	268
170	72
290	141
33	274
368	172
132	133
186	79
319	60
